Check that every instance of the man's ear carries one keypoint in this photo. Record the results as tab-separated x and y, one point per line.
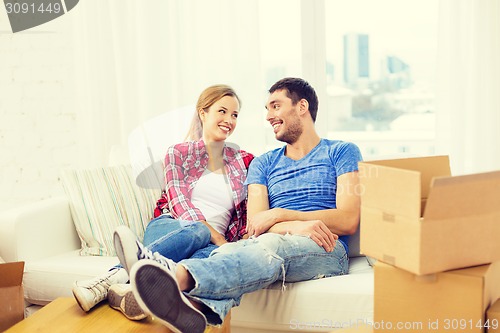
303	106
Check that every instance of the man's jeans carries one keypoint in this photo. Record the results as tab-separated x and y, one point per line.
177	239
248	265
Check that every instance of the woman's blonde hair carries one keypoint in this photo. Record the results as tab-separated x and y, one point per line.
207	98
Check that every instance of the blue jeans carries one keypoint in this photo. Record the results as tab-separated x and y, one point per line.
248	265
177	239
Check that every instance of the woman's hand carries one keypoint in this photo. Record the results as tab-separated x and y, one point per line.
218	239
215	237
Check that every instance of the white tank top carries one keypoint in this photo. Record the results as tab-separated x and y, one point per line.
213	196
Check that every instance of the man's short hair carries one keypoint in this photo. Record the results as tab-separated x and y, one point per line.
297	89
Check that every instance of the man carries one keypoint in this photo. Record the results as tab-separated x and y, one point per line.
303	203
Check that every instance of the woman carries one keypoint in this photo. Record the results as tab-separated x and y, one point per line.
202	207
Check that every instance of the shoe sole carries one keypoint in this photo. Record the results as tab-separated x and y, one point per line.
126	255
156	291
80	303
126	303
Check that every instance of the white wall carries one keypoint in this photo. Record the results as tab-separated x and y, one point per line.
37	125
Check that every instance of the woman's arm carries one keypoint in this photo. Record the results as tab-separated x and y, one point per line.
177	193
176	187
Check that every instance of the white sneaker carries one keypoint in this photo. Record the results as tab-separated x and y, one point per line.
126	246
156	291
121	298
129	250
89	293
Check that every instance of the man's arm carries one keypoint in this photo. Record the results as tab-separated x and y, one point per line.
258	211
258	202
343	220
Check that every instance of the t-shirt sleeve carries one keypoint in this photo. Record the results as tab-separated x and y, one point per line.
346	158
257	172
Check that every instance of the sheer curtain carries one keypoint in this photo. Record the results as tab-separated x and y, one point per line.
468	119
135	60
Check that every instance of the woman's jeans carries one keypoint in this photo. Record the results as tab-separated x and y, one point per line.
177	239
248	265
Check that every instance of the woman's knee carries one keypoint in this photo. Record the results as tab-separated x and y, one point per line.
200	230
159	227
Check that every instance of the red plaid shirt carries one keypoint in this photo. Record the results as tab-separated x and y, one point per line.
184	165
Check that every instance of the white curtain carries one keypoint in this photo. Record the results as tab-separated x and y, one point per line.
468	118
135	60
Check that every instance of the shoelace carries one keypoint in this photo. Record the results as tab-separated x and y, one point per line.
99	288
145	253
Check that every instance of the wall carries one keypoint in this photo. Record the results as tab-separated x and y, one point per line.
36	113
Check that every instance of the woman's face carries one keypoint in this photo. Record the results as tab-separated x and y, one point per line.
219	120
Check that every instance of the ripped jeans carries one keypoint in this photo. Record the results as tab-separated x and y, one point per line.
248	265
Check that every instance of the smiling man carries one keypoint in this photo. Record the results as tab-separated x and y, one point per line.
303	203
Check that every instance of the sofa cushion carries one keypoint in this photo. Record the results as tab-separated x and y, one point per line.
317	305
46	279
102	199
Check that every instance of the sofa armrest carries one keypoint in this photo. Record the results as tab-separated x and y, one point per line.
42	229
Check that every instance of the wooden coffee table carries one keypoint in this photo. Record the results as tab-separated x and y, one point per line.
64	315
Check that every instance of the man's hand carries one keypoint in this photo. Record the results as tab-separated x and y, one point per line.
314	229
260	222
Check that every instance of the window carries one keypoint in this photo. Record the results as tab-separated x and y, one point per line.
380	66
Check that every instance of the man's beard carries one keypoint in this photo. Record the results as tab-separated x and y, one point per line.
292	133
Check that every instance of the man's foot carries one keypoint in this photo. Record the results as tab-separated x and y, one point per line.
89	293
129	250
121	298
157	292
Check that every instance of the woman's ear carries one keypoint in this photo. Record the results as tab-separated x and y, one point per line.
201	114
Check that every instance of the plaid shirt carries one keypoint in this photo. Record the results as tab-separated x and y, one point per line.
184	165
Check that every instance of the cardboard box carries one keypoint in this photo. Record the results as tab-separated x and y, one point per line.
415	216
449	301
493	317
11	294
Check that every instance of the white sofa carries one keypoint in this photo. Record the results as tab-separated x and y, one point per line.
43	235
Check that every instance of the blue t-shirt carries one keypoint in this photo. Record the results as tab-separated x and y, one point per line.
309	183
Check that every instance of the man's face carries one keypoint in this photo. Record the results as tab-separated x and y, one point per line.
284	117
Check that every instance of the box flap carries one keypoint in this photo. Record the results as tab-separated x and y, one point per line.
11	274
460	196
429	167
392	191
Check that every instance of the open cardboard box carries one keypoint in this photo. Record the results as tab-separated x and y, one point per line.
11	294
451	301
416	216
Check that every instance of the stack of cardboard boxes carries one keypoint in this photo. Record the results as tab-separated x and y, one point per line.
436	239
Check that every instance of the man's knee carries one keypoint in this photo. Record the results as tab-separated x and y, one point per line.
271	242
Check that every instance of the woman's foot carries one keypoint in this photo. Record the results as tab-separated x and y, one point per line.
121	298
89	293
